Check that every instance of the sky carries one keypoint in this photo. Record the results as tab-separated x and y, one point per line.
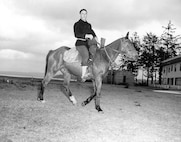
30	28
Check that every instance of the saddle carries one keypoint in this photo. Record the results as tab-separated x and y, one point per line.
72	55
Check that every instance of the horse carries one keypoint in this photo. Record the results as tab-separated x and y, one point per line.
102	60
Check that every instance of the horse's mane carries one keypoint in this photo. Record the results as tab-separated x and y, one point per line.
110	45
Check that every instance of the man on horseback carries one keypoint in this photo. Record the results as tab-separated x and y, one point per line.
83	31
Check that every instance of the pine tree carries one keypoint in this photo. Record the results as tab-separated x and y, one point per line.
170	41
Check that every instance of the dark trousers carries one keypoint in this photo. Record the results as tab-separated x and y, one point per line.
83	51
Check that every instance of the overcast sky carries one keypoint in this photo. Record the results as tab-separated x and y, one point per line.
30	28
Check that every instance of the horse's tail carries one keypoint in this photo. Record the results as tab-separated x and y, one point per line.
46	66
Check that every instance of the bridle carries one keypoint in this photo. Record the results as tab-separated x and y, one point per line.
112	61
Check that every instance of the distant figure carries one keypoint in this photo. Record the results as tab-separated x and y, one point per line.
83	31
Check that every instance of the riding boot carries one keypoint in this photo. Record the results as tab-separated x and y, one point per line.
85	73
90	58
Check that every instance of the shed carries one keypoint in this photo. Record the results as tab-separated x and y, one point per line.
120	77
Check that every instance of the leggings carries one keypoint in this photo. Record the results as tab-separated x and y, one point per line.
83	51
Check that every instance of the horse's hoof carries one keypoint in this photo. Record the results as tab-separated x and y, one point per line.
99	109
43	101
73	100
40	99
101	112
83	104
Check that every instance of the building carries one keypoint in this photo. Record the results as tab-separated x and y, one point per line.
120	77
171	73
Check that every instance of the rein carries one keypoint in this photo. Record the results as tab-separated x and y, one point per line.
110	60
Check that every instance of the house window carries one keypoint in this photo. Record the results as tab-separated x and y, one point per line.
168	80
175	68
180	67
171	83
178	81
171	67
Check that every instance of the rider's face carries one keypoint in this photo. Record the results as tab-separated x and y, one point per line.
83	15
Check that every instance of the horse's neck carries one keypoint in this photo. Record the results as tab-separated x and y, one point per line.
111	50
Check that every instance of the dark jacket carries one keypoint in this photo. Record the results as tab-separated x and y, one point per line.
82	28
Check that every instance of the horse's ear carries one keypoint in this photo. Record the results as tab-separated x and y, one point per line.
127	35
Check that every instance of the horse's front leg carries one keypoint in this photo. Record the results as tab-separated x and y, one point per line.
89	99
98	83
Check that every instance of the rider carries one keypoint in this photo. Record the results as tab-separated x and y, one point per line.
83	31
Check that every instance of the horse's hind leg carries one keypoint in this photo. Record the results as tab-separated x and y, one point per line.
66	86
44	83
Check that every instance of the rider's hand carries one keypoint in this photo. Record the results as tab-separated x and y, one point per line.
89	36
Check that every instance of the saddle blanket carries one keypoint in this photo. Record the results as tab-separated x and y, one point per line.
71	55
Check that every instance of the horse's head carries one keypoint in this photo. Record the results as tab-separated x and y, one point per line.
127	49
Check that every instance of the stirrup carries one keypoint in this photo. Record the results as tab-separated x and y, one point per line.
91	57
90	61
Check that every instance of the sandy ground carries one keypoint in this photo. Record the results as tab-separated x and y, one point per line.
132	114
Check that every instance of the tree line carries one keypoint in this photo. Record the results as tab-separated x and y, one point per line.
153	50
